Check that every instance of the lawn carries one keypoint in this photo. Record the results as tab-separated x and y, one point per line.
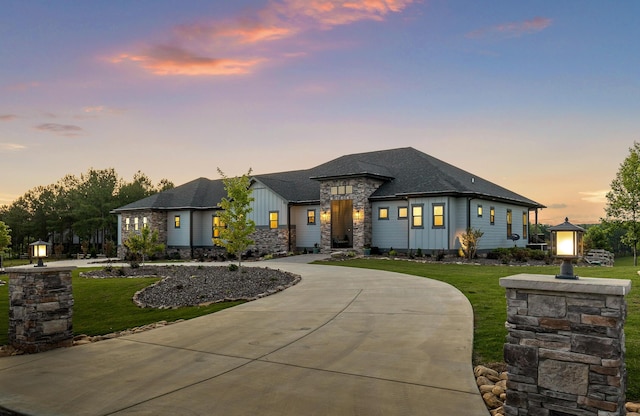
480	284
105	305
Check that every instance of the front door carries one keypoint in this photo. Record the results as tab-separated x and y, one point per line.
342	223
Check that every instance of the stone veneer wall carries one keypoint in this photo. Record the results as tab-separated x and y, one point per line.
363	187
157	221
40	308
565	350
270	241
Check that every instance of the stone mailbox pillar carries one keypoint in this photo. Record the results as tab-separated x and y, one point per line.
565	349
40	308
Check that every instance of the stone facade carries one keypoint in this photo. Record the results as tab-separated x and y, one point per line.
40	308
565	350
270	241
157	220
362	188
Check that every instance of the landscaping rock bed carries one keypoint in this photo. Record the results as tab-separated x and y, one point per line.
200	285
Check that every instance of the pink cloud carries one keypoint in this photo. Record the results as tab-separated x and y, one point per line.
8	117
171	60
513	29
238	46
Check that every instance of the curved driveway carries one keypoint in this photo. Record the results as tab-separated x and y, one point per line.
343	341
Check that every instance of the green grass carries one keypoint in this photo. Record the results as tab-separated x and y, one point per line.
480	285
105	305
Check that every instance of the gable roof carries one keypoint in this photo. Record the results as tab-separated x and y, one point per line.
410	172
201	193
406	172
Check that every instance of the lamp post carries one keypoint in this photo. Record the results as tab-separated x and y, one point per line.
39	250
566	244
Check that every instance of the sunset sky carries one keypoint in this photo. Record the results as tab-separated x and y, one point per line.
541	97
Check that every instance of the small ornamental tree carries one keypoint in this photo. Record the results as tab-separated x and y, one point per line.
623	201
470	241
144	244
5	239
235	235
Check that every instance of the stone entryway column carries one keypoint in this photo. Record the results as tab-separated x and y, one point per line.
40	308
565	350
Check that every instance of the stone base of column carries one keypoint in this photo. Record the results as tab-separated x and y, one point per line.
40	308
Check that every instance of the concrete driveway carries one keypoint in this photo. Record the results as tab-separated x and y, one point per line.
343	341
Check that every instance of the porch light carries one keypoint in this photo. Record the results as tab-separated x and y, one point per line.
39	250
357	215
325	216
566	244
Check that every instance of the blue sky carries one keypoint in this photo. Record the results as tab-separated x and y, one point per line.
540	97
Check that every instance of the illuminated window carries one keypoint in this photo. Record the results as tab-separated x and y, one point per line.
438	215
479	211
525	224
403	213
416	216
383	213
145	223
217	225
492	215
311	216
176	221
127	223
135	223
273	220
341	190
509	223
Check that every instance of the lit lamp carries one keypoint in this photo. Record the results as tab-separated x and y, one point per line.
566	244
357	215
39	250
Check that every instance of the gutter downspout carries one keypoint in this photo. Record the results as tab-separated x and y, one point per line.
289	227
191	232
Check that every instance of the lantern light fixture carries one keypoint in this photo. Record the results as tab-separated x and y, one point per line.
566	244
39	249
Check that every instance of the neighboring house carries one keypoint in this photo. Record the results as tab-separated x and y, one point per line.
399	198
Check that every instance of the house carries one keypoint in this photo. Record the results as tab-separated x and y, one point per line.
399	198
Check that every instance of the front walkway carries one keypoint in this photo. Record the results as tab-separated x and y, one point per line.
343	341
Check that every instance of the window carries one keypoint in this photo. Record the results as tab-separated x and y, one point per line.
383	213
525	224
509	223
403	213
217	225
341	190
127	223
135	223
145	223
492	215
416	216
273	220
311	216
479	211
438	215
176	221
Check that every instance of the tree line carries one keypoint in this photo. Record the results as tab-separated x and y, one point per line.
75	207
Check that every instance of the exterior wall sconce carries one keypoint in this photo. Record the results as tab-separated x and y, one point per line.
357	215
325	216
566	244
39	250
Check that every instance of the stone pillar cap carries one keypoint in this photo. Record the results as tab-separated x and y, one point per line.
618	287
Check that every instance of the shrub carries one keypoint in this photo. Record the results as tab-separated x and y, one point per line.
392	252
233	267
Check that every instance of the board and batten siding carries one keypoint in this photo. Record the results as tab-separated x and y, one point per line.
307	235
178	237
427	237
495	235
391	232
266	201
